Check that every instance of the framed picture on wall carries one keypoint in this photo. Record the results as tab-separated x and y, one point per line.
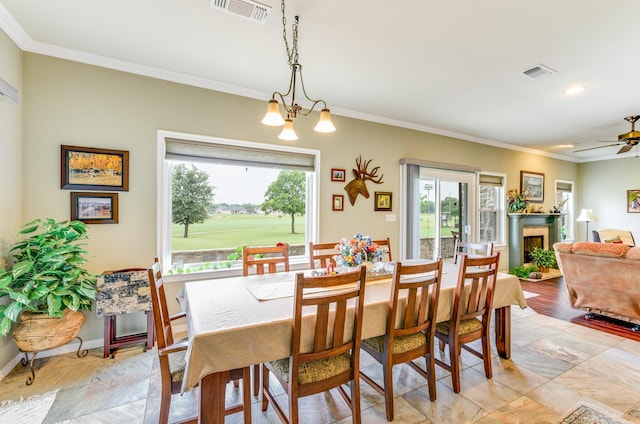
94	208
337	174
532	186
383	201
88	168
338	202
633	201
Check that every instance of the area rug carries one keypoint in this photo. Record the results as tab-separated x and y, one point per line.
30	411
584	413
553	273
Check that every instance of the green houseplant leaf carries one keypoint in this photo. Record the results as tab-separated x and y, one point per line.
48	274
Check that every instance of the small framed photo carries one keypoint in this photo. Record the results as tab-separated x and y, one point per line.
87	168
532	186
633	201
338	202
94	208
383	201
337	174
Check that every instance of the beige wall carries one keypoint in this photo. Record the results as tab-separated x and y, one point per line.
76	104
603	188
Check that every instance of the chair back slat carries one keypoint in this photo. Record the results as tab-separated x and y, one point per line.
473	249
333	309
385	243
474	290
321	254
269	258
419	284
164	333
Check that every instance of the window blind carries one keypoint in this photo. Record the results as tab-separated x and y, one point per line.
236	154
491	180
564	187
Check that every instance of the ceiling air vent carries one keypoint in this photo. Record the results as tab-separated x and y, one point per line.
247	9
539	71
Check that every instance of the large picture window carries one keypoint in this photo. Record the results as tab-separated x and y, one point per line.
217	195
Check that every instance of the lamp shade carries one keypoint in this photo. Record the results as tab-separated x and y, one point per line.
288	133
586	215
324	123
273	117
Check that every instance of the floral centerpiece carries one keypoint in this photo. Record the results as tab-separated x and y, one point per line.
358	250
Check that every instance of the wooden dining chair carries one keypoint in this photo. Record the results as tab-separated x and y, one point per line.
410	331
474	249
385	243
324	319
265	258
322	254
471	314
171	354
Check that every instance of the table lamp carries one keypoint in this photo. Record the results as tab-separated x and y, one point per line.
586	215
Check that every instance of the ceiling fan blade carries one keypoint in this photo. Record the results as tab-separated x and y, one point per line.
625	148
598	147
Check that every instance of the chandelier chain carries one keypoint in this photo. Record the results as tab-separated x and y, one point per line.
292	53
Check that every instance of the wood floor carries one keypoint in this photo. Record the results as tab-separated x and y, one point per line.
552	301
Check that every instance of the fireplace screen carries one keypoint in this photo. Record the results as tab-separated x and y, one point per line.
530	243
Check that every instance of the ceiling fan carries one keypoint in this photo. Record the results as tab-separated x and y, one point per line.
629	139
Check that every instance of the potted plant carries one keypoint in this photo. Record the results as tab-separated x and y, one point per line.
544	259
47	286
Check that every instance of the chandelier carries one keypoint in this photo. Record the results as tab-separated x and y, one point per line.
293	109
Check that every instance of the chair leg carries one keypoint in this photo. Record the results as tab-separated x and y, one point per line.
246	395
387	372
355	400
265	387
454	359
293	405
256	380
431	374
165	404
486	356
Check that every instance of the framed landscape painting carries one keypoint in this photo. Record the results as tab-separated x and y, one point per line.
94	208
532	186
87	168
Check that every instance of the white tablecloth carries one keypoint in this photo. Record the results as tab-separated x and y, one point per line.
229	328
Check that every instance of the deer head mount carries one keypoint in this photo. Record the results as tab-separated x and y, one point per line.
357	185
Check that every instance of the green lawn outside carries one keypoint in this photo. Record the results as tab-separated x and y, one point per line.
230	231
225	231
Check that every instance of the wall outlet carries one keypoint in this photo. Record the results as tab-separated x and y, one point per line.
391	217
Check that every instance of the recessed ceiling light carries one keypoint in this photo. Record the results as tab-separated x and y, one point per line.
575	90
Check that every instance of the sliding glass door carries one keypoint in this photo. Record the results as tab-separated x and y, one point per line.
444	211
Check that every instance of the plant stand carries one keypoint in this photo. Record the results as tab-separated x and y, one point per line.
26	361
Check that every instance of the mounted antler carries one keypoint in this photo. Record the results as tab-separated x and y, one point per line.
357	185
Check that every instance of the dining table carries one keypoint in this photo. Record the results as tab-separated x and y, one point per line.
236	322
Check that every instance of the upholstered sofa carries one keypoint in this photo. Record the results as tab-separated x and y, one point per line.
609	235
602	278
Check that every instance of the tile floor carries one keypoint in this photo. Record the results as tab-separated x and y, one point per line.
553	366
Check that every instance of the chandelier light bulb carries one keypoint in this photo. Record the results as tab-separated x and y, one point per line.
324	123
288	132
273	117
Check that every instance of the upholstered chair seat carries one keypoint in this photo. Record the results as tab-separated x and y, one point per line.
466	326
312	372
401	344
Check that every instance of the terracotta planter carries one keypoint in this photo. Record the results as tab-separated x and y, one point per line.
39	331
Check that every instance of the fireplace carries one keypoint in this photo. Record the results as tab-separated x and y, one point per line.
527	231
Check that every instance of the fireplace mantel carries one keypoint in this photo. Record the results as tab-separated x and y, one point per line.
517	223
